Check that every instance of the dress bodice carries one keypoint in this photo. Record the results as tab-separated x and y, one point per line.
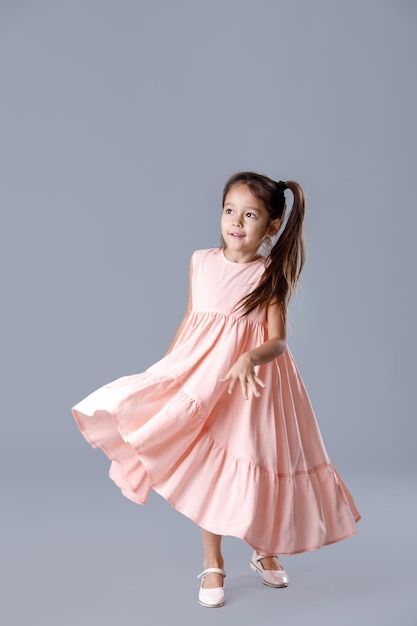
218	284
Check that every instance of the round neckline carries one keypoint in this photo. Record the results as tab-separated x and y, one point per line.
236	263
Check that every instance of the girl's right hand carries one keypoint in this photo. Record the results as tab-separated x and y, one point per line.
243	371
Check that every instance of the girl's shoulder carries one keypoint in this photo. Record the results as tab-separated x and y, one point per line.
207	253
207	262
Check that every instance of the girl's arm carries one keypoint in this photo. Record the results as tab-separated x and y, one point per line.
184	319
243	370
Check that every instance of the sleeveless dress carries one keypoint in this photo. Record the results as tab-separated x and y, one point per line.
256	469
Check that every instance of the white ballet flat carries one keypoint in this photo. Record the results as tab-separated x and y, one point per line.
270	577
211	597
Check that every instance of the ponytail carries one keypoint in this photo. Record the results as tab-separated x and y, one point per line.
286	258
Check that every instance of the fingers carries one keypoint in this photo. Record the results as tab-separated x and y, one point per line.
244	388
253	381
233	382
259	382
232	385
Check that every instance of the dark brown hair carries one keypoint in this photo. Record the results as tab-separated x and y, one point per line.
285	260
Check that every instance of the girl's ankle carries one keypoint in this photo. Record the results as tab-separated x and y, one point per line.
218	563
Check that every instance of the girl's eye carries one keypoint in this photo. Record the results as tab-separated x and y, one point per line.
251	214
228	211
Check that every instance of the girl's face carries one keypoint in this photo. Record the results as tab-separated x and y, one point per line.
245	224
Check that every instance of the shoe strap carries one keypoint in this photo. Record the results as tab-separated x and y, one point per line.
259	557
212	570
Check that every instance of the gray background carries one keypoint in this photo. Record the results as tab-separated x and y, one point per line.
120	122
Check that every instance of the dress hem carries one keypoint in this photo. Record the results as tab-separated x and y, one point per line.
217	531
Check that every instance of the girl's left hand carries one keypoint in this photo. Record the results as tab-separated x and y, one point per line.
244	372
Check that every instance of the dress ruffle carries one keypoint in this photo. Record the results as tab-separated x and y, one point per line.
174	453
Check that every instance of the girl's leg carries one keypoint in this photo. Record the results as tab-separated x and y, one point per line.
212	558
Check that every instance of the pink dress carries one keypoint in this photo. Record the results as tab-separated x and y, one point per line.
255	469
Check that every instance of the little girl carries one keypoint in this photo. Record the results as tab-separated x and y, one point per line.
222	426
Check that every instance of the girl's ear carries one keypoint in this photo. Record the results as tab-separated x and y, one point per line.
273	227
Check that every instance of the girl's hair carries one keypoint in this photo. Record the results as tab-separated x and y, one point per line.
285	259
